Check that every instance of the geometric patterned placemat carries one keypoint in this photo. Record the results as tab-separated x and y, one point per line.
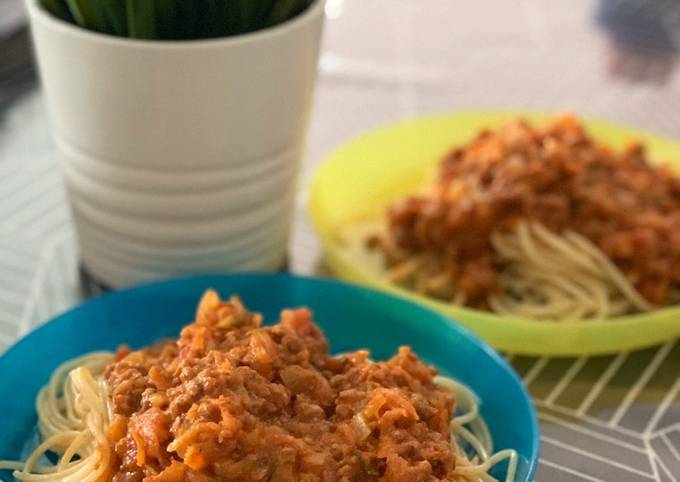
611	418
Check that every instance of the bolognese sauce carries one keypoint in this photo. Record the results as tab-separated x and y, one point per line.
232	400
556	175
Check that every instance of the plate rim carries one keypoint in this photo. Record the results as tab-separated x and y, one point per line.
342	266
461	331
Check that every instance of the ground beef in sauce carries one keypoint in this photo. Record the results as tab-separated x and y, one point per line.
234	401
555	174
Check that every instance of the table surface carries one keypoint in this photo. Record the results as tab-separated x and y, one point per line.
609	418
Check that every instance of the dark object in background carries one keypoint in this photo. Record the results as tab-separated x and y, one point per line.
17	71
644	38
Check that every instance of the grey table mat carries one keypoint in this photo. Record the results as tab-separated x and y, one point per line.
611	418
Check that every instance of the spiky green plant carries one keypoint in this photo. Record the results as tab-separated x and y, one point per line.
175	19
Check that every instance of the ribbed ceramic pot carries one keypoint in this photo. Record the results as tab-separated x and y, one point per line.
190	147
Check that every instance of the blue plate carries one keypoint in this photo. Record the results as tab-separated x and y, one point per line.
351	317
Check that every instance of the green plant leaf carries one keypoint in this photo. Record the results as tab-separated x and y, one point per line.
83	13
254	13
115	13
101	17
282	11
141	21
210	21
263	12
167	21
218	25
232	14
58	8
303	5
188	25
175	19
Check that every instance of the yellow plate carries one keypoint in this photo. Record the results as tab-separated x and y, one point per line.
361	178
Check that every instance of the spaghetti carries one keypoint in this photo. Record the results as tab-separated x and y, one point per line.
73	413
78	415
540	222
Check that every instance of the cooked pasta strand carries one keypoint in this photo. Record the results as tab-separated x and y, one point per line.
74	412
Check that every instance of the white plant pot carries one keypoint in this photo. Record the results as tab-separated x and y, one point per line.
192	142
